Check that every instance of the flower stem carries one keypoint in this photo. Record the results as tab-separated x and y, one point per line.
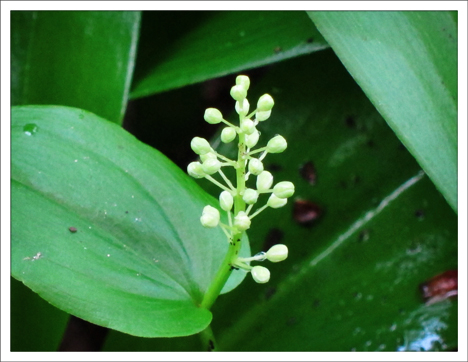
226	266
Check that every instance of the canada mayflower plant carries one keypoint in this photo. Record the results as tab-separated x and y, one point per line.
238	199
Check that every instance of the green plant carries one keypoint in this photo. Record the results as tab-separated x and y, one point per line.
108	229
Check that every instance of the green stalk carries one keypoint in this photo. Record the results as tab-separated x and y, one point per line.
225	269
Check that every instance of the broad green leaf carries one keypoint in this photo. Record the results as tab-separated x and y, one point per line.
181	48
81	59
406	63
35	324
106	228
352	278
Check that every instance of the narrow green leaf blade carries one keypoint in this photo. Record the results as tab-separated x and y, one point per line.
206	45
106	228
81	59
406	63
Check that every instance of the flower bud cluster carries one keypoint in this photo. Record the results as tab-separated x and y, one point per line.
238	201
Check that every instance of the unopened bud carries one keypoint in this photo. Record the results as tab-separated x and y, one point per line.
276	202
213	116
264	181
195	170
284	189
243	81
262	116
277	253
255	166
252	139
260	274
226	200
207	156
200	146
245	107
238	92
228	134
210	217
276	145
242	221
211	165
250	196
265	103
248	127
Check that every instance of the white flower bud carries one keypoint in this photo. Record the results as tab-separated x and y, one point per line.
238	92
226	200
195	170
262	116
275	202
283	189
260	274
247	126
277	253
245	107
252	139
255	166
243	81
242	221
277	144
250	196
265	103
200	146
228	134
213	116
264	181
207	156
210	217
211	165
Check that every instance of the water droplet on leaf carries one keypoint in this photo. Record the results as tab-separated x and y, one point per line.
30	129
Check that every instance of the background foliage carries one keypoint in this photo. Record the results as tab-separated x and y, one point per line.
366	227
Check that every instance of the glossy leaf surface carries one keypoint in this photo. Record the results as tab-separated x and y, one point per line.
106	228
181	48
81	59
406	63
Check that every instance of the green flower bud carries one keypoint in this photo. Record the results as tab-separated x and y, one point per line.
200	146
228	134
243	81
211	166
265	103
213	116
245	107
275	202
251	140
248	127
238	92
260	274
277	253
264	181
195	170
210	217
250	196
284	189
242	221
277	144
226	200
255	166
262	116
